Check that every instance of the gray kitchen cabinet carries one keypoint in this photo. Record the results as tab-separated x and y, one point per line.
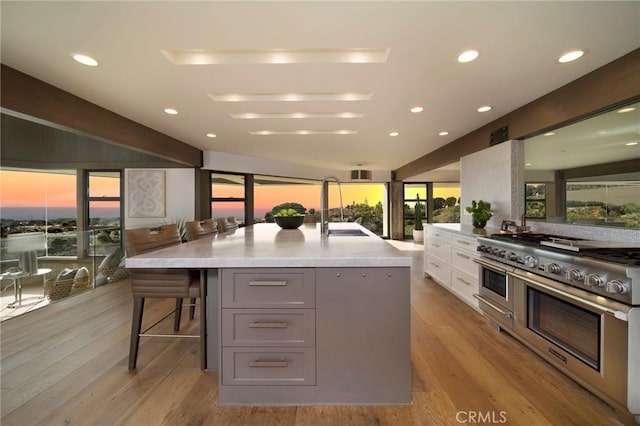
363	352
315	336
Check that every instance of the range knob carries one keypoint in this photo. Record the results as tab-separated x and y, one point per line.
593	280
553	268
575	275
616	287
481	248
502	253
530	261
495	251
512	256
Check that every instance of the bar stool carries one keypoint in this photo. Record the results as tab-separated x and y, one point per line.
197	229
161	283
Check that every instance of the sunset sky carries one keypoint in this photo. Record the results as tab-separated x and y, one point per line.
33	189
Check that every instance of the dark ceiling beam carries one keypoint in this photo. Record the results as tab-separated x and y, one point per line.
27	97
613	84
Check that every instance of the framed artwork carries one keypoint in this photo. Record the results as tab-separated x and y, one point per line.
146	193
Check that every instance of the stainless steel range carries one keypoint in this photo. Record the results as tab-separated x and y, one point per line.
574	302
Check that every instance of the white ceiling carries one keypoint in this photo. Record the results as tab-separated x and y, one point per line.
519	44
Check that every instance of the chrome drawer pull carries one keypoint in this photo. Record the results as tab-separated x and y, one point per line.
463	242
267	283
258	324
464	256
435	264
268	364
463	281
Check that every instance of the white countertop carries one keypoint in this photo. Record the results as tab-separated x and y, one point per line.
464	229
265	245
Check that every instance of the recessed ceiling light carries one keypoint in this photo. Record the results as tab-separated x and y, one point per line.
623	110
289	97
571	56
394	134
301	132
84	59
443	133
211	135
631	143
468	56
416	109
276	56
549	134
259	115
485	108
527	164
171	111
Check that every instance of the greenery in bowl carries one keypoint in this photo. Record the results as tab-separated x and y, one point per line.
289	218
480	212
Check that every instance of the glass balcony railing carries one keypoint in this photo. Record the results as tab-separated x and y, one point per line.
55	265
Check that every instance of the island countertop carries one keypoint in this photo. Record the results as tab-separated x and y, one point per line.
266	245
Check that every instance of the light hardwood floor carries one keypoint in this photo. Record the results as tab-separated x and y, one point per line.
66	364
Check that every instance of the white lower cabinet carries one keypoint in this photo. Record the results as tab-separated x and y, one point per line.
449	260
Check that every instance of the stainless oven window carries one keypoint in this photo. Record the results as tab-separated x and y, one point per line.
572	328
494	281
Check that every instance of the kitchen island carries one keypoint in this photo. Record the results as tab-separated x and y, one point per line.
295	317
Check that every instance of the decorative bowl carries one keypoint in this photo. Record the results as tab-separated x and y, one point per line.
289	222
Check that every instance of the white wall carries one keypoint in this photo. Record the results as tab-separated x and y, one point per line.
180	199
494	175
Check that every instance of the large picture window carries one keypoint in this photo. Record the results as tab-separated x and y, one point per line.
41	201
604	203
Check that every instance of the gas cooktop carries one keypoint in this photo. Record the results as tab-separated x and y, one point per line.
617	252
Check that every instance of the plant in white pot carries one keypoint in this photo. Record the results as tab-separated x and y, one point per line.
418	228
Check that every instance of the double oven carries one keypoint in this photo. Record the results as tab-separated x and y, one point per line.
576	312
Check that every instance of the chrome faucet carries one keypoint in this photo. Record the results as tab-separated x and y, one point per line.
324	208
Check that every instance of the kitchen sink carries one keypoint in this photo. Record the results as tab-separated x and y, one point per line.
348	232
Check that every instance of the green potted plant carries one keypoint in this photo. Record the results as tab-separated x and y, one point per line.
480	213
418	228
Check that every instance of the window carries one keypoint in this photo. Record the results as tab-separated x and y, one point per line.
536	200
363	202
228	196
411	193
446	202
604	203
272	191
104	211
41	201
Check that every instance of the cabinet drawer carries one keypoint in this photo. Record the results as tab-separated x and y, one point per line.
268	288
438	270
464	243
433	232
463	260
437	248
465	286
272	327
260	366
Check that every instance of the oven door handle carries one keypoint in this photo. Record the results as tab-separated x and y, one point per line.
619	314
507	314
492	266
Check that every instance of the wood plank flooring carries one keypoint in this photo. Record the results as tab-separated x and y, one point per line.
66	364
